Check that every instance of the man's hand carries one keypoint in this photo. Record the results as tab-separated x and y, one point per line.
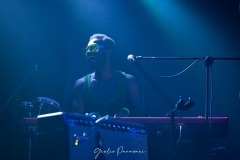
124	112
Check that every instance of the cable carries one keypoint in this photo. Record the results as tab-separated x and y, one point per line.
171	75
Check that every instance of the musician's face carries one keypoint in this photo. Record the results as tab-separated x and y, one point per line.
95	54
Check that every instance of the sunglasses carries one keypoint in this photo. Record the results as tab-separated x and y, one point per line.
92	48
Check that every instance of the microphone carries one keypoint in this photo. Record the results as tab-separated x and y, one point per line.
180	103
188	105
130	58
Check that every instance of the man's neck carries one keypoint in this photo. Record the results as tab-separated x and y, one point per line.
103	73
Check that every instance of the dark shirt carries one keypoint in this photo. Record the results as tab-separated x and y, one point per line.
110	106
109	96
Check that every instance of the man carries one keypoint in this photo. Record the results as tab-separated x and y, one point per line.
105	91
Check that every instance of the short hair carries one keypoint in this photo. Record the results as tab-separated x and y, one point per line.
104	40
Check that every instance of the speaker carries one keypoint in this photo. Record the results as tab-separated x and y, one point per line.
67	136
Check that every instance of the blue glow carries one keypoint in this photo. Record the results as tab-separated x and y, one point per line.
189	30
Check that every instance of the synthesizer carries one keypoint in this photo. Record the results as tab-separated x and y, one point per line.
189	127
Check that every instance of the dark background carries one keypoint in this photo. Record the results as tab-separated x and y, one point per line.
52	34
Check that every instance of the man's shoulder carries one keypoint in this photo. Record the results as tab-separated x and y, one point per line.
80	81
130	79
126	75
129	76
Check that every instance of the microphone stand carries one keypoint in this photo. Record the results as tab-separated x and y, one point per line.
208	126
14	112
208	63
173	123
16	90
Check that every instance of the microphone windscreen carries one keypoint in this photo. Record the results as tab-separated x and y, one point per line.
130	58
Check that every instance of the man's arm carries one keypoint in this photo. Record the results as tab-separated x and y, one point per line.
78	103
